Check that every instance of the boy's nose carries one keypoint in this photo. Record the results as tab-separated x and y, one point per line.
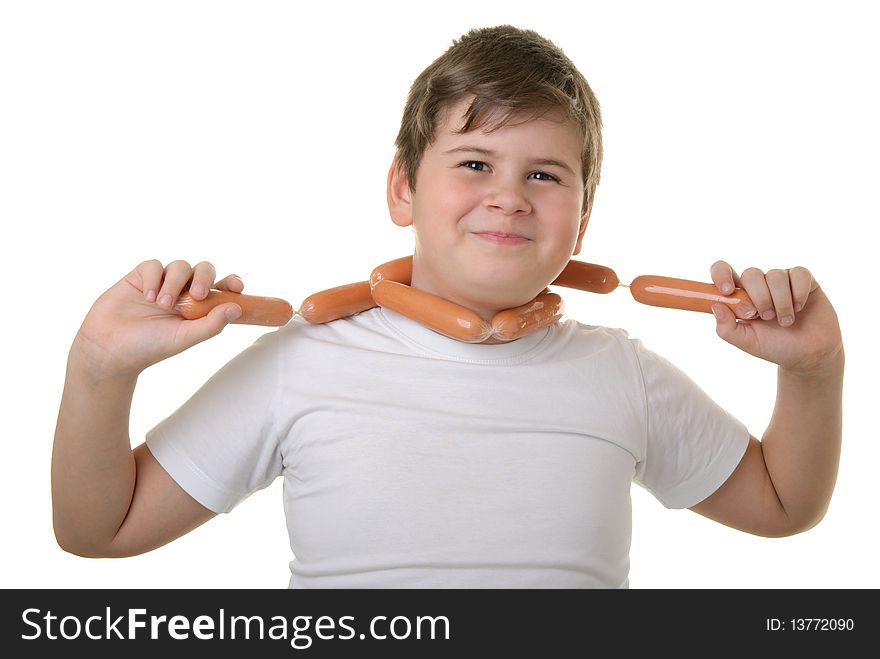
507	196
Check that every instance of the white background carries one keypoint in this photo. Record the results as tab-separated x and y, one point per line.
258	135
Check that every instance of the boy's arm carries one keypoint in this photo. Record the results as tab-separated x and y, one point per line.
783	484
108	500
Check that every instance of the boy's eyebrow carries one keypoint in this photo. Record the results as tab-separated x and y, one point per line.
468	148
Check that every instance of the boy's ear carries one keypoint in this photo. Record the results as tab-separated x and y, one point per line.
399	196
583	227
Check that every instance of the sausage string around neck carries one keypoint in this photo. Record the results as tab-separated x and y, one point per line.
389	287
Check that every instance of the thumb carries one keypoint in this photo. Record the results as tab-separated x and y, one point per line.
211	324
727	328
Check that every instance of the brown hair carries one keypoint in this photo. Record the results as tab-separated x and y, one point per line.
509	71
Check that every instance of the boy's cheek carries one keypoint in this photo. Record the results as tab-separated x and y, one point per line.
438	195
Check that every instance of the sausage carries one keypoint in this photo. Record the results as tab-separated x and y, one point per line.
399	270
443	316
390	287
255	310
683	294
338	302
587	277
349	299
512	324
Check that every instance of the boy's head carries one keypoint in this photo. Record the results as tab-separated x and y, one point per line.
509	73
497	162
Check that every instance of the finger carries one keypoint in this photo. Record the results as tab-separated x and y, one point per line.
755	285
726	280
177	275
210	325
202	278
149	277
724	277
232	283
780	293
802	284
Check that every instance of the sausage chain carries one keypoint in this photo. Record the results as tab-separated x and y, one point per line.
389	287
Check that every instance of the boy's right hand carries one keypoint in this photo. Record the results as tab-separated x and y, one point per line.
133	324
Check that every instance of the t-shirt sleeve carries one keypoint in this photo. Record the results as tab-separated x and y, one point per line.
222	445
692	445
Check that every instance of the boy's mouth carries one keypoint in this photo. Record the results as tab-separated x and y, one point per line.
500	238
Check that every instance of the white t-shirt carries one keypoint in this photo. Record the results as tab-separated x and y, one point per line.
411	460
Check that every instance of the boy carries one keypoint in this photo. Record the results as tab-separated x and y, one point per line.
411	459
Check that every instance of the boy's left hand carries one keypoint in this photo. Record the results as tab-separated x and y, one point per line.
795	325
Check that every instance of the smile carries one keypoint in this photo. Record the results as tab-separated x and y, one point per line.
502	238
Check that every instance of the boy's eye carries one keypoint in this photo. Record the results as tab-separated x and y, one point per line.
475	165
549	177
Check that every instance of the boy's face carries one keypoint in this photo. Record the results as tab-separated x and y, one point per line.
496	216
